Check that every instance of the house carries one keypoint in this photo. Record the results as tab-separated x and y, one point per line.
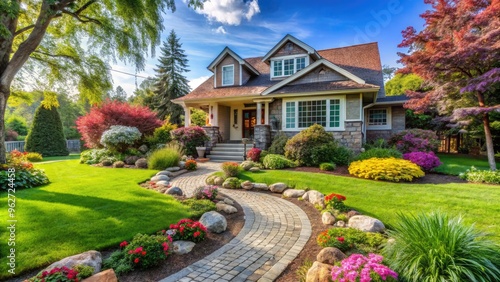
294	86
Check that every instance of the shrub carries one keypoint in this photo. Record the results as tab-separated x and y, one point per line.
163	158
263	154
360	268
434	247
190	137
254	154
118	137
118	164
231	183
278	145
101	118
342	156
481	176
336	202
191	165
161	135
95	156
17	124
189	230
273	161
231	169
327	166
379	153
346	239
300	147
144	251
61	274
11	135
34	157
206	192
390	169
46	135
379	143
415	140
24	178
427	161
198	207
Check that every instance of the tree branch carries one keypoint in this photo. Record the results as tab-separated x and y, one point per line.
83	19
55	55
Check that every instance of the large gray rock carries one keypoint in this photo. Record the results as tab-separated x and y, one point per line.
182	247
254	169
340	223
246	165
165	172
90	258
173	169
366	223
182	164
143	149
330	255
247	185
174	191
163	182
260	186
220	206
278	187
160	178
293	193
319	272
314	197
214	222
228	201
218	181
327	218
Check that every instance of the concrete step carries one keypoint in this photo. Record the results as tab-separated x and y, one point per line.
236	150
227	153
224	158
231	145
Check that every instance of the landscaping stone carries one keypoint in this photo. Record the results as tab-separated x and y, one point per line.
254	169
246	165
183	247
260	186
314	197
214	222
228	201
182	164
330	255
163	182
293	193
141	163
174	191
327	218
231	183
174	168
340	223
107	275
160	178
278	187
366	223
165	172
225	208
352	213
218	181
130	160
90	258
247	185
319	272
143	149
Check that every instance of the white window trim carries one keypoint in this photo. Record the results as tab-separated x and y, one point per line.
294	57
388	126
222	72
316	98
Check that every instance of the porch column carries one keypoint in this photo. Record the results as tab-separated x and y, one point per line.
259	113
213	112
187	115
266	113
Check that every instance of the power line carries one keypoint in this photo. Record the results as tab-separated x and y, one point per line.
131	74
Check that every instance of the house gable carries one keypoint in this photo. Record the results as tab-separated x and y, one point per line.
284	48
230	69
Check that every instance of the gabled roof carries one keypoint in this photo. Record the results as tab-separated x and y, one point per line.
306	70
310	50
228	51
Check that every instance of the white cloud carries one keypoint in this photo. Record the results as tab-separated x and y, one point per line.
229	12
220	30
195	82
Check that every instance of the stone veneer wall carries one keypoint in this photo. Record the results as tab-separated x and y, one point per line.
262	136
213	134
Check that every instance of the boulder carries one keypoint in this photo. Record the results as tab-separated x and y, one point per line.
246	165
228	201
330	255
278	187
319	272
174	168
327	218
141	163
314	197
247	185
260	186
90	258
352	213
366	223
163	182
221	206
143	149
218	181
107	275
174	191
293	193
210	180
130	160
231	183
160	178
182	247
214	221
254	169
340	223
165	172
182	164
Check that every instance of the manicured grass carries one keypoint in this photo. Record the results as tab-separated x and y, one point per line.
478	203
83	208
455	164
72	156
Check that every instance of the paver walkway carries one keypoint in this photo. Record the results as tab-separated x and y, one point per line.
274	233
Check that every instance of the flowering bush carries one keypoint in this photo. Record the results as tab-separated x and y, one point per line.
336	202
254	154
187	229
61	274
191	165
415	140
118	137
26	175
231	169
390	169
481	176
190	137
346	239
273	161
364	269
208	192
427	161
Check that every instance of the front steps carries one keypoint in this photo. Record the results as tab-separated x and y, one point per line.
228	152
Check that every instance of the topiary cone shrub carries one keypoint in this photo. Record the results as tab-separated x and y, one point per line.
46	135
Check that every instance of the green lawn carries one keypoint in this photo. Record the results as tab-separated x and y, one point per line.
72	156
455	164
477	203
83	208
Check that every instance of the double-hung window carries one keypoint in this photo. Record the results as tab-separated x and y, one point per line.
300	114
227	75
287	66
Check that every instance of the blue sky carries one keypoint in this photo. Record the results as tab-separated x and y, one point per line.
252	27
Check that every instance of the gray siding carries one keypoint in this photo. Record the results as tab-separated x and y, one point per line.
353	107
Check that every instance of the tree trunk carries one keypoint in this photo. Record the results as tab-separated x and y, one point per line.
4	95
489	142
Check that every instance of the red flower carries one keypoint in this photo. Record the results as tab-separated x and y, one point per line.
143	253
123	244
196	234
340	239
136	260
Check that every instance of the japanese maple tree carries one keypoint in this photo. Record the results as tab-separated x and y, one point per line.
458	54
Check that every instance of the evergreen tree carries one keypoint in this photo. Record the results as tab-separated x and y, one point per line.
170	81
46	135
119	94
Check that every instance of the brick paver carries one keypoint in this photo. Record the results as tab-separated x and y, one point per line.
274	233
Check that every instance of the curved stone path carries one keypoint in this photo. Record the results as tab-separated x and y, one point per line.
274	233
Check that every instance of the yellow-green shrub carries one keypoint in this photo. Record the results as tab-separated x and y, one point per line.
390	169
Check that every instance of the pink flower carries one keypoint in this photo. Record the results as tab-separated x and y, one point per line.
123	244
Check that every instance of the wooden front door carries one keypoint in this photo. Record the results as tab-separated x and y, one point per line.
249	122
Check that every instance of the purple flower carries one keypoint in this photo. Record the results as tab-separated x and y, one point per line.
358	266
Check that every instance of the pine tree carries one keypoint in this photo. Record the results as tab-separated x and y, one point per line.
170	81
46	135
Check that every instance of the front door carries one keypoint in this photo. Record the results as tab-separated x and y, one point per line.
249	121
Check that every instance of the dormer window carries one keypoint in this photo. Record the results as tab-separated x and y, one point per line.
228	75
286	66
